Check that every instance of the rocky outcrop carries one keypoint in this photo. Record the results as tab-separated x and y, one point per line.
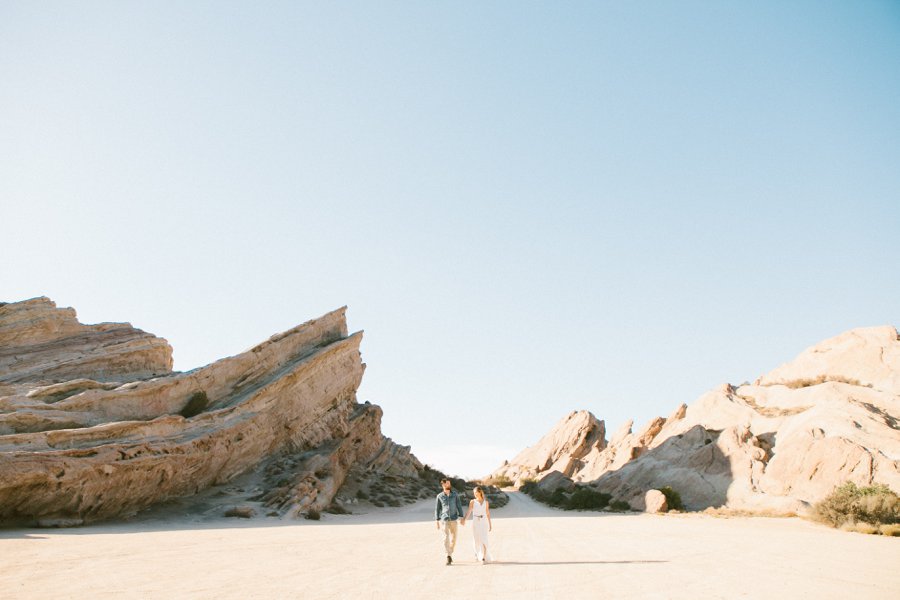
89	448
42	343
577	436
554	480
777	445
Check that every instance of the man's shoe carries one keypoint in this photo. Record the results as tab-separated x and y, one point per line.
449	559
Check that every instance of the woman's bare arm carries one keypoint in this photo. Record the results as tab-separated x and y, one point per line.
469	512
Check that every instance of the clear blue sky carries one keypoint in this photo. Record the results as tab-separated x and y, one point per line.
529	208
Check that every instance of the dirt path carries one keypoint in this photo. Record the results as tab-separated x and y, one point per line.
540	552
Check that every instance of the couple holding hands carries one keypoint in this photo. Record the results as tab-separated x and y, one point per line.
449	508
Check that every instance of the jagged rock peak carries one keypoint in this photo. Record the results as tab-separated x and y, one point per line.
42	343
575	436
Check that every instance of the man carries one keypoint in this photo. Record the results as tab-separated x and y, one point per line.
446	511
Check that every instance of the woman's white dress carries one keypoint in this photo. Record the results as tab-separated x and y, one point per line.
480	530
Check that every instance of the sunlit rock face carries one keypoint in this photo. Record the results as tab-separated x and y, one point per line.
777	445
42	343
94	425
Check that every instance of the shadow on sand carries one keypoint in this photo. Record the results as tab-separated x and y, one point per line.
571	562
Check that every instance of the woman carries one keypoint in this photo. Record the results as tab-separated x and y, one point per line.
480	509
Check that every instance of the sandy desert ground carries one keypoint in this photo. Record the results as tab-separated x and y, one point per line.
395	553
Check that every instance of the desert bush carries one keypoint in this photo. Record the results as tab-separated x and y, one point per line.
583	498
876	504
802	383
860	527
673	498
890	530
528	487
502	481
558	497
313	515
531	488
620	506
336	509
362	495
587	499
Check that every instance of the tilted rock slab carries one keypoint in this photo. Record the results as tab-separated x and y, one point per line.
79	451
777	445
40	342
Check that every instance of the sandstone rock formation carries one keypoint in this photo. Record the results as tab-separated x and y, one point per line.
555	480
42	343
777	445
93	424
564	448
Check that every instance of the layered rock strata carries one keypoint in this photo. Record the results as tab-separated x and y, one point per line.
90	448
777	445
42	343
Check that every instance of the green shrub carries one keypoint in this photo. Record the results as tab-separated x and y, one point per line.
583	498
362	495
528	487
558	497
848	503
673	498
587	499
620	506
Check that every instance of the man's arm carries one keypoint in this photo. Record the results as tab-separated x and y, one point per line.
437	508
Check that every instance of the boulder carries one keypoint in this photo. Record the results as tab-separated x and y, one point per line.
555	480
655	502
